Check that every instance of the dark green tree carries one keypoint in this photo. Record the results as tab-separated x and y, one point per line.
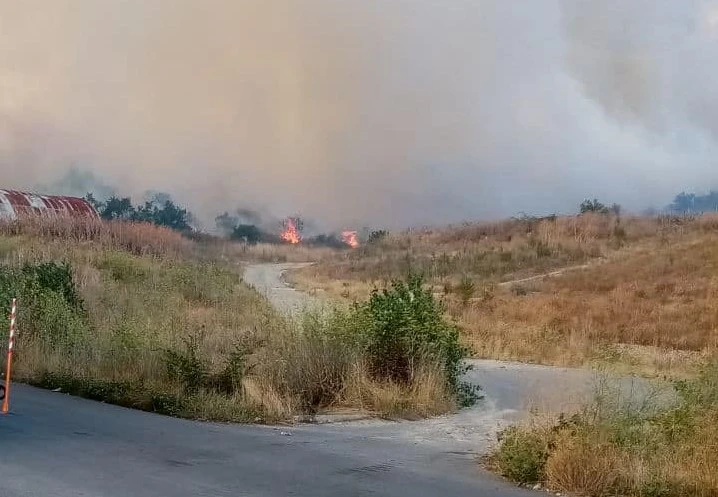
247	233
594	206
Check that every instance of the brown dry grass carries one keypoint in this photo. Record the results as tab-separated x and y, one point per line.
658	299
146	293
268	252
644	302
426	395
624	449
135	238
589	465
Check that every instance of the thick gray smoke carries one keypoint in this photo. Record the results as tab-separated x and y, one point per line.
360	112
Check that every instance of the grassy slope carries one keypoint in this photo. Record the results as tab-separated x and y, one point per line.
139	307
166	326
645	302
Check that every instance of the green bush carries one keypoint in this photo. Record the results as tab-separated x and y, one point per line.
123	267
522	455
466	290
402	327
50	308
229	379
187	367
54	277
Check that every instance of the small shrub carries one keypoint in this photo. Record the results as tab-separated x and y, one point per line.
169	405
314	366
229	380
522	455
583	464
466	290
376	236
186	367
123	267
55	277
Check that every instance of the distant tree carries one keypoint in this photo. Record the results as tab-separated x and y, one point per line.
594	206
118	208
247	233
90	198
327	240
160	210
232	226
167	214
376	236
684	202
691	203
226	223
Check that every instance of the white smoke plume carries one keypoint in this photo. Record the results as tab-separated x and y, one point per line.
354	112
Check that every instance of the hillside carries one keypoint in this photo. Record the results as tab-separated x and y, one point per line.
139	315
636	292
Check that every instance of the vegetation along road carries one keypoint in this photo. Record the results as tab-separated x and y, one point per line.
54	444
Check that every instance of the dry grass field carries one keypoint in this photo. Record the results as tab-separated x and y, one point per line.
140	316
635	292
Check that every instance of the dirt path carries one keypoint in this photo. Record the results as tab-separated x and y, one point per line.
552	274
510	389
268	279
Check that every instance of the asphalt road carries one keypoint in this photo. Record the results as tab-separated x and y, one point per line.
61	446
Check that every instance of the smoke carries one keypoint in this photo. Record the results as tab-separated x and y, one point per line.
355	112
78	183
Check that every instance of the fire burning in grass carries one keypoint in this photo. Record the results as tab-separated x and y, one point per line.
350	238
291	233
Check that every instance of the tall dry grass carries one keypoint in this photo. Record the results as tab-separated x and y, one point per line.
627	449
638	293
653	308
135	238
271	252
164	330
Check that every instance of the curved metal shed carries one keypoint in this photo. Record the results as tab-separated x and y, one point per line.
15	204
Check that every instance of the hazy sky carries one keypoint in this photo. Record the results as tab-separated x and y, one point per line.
387	112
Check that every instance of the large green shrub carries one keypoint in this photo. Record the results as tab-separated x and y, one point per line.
403	327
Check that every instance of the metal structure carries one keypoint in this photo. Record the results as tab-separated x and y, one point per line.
16	205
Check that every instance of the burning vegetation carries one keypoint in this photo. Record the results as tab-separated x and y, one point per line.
292	228
291	232
350	238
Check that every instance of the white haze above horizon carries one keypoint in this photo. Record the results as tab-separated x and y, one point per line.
381	112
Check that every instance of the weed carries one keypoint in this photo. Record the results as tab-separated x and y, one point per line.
522	455
651	448
186	366
466	290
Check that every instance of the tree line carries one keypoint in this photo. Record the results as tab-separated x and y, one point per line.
159	209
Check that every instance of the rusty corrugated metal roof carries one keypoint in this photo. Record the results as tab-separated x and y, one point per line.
15	204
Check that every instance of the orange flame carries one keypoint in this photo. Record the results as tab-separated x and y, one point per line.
291	233
350	238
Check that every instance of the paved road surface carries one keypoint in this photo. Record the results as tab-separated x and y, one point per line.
54	445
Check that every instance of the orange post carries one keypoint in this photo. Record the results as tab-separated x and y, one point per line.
8	366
